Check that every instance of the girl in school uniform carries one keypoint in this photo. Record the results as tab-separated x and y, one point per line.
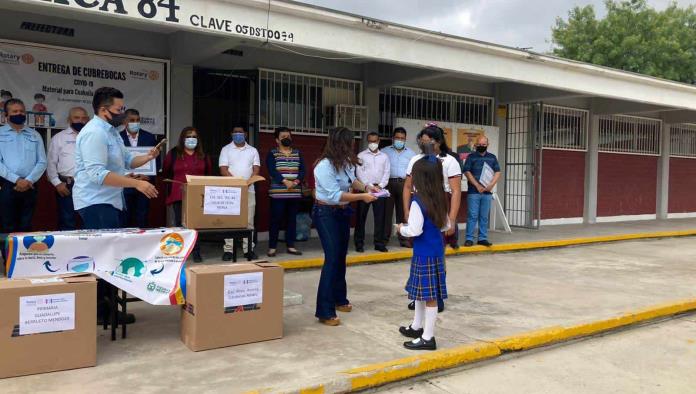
426	221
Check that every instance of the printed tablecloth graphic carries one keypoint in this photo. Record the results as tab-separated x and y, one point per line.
148	264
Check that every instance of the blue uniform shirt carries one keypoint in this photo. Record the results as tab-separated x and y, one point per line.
398	161
330	184
99	150
474	164
22	154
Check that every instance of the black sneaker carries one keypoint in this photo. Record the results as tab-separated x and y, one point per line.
421	344
359	249
227	256
381	248
409	332
485	243
197	258
251	256
469	243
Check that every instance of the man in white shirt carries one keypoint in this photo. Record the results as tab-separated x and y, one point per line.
60	168
240	159
374	173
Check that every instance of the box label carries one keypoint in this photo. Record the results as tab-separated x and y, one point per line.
222	200
46	313
45	280
243	290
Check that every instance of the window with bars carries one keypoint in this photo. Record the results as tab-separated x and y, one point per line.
629	134
564	128
683	140
304	103
412	103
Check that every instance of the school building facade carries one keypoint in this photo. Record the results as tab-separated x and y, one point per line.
578	143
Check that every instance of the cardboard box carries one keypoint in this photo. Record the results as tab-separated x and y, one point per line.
226	205
31	311
222	305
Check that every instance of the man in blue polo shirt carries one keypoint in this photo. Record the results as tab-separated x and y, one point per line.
22	162
482	172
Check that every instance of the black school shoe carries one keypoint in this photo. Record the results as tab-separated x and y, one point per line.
421	344
469	243
409	332
485	243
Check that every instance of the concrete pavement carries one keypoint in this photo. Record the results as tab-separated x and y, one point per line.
656	358
492	296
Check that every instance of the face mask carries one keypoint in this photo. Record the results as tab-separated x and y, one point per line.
238	138
286	142
77	126
134	126
191	142
117	119
481	149
373	146
398	144
18	119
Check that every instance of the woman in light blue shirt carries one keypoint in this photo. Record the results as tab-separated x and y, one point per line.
334	175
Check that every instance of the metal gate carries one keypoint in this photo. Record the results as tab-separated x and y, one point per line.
523	157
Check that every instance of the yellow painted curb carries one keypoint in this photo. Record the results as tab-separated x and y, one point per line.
393	371
375	258
375	375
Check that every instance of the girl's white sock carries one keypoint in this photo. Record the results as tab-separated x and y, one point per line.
430	319
419	315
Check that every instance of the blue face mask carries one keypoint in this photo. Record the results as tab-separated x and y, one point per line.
134	127
191	142
238	138
398	144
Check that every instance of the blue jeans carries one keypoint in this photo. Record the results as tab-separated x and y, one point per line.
479	208
333	226
283	208
66	212
100	217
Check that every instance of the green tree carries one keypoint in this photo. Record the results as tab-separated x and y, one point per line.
632	37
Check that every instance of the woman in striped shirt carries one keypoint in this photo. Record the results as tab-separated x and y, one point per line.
287	172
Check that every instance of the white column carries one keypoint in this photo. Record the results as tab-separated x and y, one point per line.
592	171
663	173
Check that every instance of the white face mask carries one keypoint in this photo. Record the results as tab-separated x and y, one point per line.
373	146
191	142
134	127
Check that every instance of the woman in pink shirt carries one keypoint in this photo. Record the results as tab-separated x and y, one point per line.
187	158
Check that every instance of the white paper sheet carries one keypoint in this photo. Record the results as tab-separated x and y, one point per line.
487	175
222	200
243	289
46	313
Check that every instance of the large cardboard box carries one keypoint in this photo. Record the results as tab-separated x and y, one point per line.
47	325
216	201
232	304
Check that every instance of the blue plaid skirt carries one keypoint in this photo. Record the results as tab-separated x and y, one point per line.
427	279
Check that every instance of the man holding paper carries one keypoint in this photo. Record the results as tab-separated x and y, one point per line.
482	172
373	172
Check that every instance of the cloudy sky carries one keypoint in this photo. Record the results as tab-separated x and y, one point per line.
516	23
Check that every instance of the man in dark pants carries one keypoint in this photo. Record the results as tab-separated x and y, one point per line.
399	157
100	160
137	204
61	167
373	172
22	162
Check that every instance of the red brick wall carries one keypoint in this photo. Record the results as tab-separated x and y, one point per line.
562	184
682	185
627	184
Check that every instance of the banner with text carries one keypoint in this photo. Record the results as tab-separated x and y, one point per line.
51	81
145	263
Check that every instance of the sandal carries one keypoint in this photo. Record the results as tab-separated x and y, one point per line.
333	322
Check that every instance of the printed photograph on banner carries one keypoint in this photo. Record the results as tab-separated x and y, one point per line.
466	141
52	81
